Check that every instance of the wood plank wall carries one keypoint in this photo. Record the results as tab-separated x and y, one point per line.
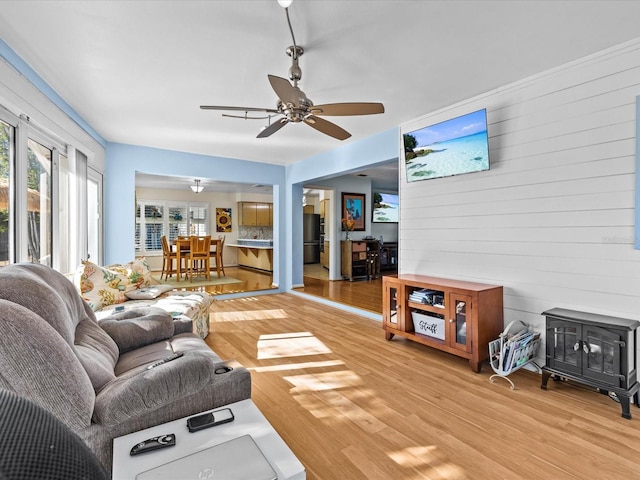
553	219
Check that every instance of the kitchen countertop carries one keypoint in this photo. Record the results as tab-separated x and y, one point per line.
254	243
256	247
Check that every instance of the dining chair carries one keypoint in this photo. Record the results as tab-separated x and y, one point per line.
182	245
168	258
216	255
198	262
185	248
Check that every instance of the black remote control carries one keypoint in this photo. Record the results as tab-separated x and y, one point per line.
154	443
165	360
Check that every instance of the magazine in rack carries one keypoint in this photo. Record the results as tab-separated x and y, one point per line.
513	350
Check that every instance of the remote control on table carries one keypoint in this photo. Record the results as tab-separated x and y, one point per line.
154	443
165	360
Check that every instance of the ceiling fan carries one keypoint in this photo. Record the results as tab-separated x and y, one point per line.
294	106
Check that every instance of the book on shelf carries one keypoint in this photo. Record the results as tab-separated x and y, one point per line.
427	296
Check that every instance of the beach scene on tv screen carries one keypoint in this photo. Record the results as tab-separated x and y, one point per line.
385	207
453	147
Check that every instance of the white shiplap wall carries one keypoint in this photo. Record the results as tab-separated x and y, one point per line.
553	219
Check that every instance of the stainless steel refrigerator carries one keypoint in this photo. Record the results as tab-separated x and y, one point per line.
311	237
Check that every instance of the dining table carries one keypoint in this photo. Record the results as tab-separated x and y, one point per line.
183	246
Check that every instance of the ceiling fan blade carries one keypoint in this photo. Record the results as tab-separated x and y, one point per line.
286	92
352	108
273	128
327	127
238	109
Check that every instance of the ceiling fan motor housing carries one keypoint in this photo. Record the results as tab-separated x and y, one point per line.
293	113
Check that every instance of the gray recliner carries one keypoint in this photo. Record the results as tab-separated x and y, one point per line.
55	353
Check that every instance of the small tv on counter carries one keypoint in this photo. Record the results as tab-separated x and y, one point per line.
452	147
385	207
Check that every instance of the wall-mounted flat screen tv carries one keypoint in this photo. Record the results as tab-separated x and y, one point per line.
385	207
452	147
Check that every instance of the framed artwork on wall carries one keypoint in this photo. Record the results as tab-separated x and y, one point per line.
353	208
223	220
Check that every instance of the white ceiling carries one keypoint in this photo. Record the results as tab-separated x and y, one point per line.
137	71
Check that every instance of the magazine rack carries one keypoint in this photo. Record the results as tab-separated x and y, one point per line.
513	350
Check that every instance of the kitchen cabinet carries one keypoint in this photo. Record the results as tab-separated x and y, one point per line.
255	214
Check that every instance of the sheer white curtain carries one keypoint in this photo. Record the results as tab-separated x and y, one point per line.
94	216
70	240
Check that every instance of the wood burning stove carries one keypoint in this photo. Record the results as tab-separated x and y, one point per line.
595	350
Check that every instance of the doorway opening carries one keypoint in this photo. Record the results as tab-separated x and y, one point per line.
324	273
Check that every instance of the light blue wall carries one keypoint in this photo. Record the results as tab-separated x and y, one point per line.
122	163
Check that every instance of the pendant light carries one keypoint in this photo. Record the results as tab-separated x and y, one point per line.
197	188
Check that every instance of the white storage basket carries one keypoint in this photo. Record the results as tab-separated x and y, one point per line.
428	325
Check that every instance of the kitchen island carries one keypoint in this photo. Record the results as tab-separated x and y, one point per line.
254	253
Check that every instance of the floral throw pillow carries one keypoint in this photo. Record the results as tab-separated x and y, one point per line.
138	272
102	286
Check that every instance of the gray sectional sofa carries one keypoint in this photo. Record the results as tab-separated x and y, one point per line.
131	285
93	376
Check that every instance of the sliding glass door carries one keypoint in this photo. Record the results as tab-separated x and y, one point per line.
39	195
6	153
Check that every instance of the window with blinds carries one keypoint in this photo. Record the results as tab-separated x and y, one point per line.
155	219
198	221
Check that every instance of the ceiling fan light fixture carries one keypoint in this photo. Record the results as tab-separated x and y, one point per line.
285	3
197	188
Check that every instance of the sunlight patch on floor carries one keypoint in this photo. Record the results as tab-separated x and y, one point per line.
414	456
344	405
426	457
297	366
332	407
323	381
277	336
240	300
290	345
246	315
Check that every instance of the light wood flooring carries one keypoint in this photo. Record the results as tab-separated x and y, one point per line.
352	405
250	281
363	294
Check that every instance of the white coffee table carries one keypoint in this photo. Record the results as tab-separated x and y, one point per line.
248	420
